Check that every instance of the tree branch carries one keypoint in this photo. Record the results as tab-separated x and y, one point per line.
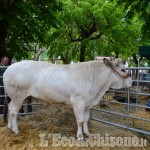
74	40
97	36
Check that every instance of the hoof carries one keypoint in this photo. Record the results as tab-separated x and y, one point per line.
15	131
80	139
9	126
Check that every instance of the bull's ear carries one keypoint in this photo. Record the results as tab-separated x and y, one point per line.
117	61
107	62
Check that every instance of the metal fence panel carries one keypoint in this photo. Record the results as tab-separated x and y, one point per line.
30	105
127	108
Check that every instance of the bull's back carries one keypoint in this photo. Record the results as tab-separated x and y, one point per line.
49	81
31	76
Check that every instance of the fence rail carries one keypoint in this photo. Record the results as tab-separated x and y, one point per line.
127	114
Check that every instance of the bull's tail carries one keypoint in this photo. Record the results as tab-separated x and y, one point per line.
5	109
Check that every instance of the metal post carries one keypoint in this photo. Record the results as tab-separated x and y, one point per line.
128	109
26	106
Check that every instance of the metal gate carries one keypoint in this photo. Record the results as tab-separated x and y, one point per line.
30	105
127	108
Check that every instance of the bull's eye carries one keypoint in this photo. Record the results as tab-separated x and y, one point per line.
123	70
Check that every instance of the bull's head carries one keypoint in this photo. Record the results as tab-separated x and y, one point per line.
119	76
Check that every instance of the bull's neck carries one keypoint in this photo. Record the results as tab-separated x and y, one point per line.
104	83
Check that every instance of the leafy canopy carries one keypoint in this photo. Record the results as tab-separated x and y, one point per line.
93	27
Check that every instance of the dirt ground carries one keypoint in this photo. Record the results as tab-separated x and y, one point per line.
37	132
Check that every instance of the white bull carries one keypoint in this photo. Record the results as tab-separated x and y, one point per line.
79	85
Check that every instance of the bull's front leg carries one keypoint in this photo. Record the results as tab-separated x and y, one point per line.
79	109
79	131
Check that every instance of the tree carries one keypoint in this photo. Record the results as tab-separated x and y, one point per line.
92	27
23	23
142	8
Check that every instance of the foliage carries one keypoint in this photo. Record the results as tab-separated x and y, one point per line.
93	27
142	8
74	30
24	23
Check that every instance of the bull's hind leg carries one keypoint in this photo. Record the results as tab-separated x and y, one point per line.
17	99
13	110
9	117
85	125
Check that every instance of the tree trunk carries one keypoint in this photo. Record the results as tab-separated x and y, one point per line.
117	54
7	10
3	35
82	52
37	55
135	60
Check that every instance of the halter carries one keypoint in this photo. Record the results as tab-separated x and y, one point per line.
121	76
